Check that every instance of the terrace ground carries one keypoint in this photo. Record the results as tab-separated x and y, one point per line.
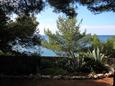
29	82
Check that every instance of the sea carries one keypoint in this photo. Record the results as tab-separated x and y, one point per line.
104	37
48	52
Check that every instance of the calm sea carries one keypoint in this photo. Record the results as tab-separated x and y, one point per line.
104	37
47	52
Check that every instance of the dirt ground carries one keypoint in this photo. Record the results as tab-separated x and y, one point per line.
101	82
29	82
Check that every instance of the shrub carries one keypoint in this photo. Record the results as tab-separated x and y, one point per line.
68	64
53	71
47	64
94	61
93	66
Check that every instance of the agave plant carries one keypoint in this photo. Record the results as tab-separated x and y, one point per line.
96	55
95	61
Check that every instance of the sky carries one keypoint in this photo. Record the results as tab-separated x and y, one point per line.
100	24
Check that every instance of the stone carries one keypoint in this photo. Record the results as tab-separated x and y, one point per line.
100	76
45	76
74	77
66	77
57	77
110	74
90	75
30	76
95	76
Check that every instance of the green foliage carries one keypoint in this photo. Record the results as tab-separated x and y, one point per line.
66	6
98	6
95	42
3	32
69	64
95	61
96	55
109	47
91	65
23	27
51	68
47	64
22	30
3	19
53	71
67	40
22	6
6	54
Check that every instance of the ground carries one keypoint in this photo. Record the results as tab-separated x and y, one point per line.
101	82
29	82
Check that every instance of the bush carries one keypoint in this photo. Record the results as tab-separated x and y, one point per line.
53	71
93	66
94	62
47	64
69	64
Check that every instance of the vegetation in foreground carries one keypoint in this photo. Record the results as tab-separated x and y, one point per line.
82	52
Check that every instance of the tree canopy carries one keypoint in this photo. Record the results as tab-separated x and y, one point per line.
22	29
98	6
66	6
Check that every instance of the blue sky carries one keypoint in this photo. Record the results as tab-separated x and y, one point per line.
100	24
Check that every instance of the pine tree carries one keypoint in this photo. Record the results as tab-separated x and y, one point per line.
67	40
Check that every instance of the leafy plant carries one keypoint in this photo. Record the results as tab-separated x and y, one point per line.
94	61
53	71
109	47
96	55
69	64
